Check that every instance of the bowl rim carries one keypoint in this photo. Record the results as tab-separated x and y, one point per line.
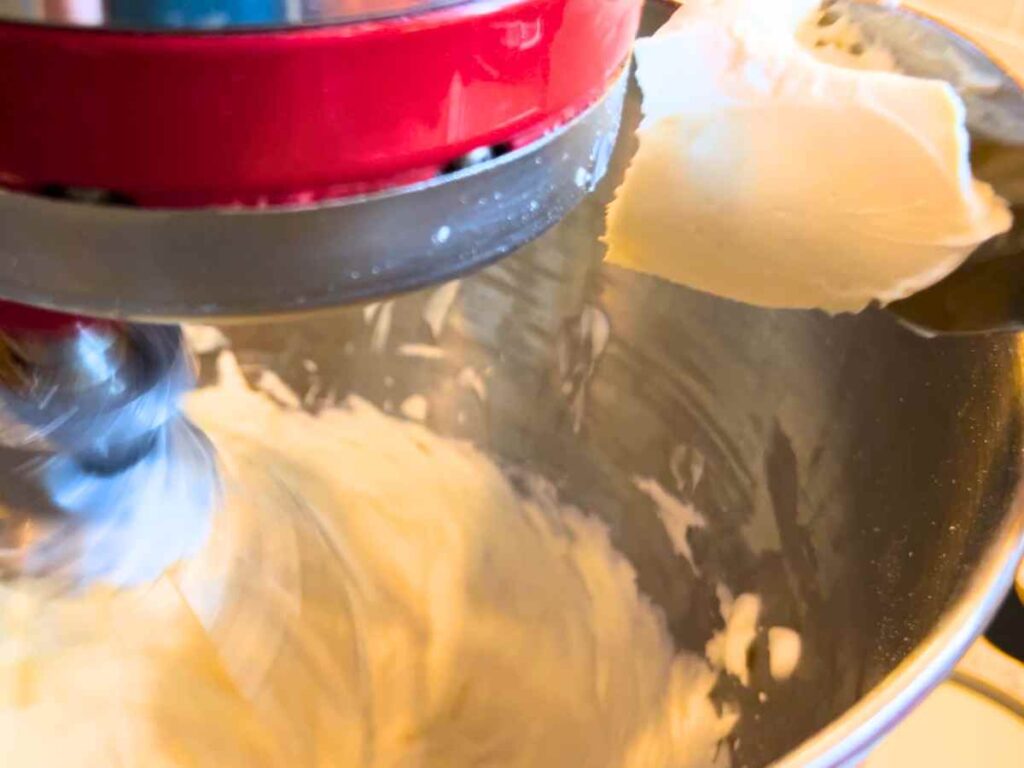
846	740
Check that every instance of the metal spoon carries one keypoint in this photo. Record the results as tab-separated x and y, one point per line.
987	292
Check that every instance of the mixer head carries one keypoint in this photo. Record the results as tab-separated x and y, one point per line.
219	159
169	160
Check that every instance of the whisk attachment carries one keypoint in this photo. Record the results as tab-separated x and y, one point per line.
98	405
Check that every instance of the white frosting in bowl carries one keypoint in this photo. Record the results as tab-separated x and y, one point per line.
373	596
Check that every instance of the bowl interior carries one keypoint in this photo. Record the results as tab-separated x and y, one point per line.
851	473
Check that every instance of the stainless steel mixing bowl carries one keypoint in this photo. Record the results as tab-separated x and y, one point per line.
864	481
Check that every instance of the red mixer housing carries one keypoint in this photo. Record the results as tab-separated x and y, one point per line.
278	116
177	159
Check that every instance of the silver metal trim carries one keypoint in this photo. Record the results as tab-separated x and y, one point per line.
227	264
103	415
996	675
212	15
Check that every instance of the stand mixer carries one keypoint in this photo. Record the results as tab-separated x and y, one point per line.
184	160
868	489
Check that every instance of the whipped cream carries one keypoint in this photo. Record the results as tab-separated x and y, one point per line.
782	164
372	595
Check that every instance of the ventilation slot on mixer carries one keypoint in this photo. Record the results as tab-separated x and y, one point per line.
89	195
476	157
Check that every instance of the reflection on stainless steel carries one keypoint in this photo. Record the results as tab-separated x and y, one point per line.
231	263
987	293
84	357
863	480
209	15
96	449
97	392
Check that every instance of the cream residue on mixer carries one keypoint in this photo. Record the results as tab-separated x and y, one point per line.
372	595
782	163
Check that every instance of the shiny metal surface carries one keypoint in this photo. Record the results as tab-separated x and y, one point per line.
231	263
210	15
93	442
986	294
80	359
865	481
98	393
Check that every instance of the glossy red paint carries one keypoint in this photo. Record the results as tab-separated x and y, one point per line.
21	318
264	118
